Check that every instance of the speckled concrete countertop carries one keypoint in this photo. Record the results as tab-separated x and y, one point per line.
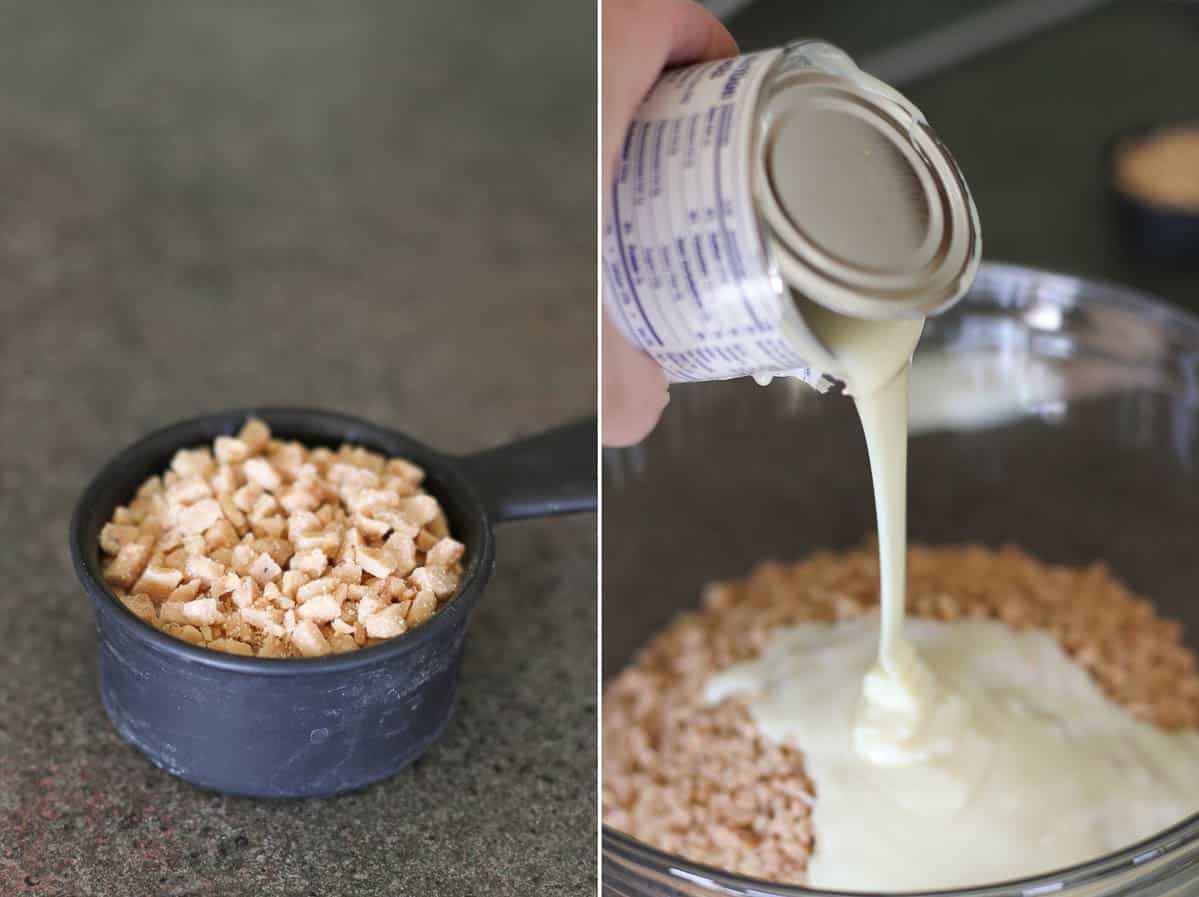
386	209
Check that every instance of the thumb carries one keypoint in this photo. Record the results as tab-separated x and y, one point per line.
634	390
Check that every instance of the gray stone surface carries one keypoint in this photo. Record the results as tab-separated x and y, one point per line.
380	208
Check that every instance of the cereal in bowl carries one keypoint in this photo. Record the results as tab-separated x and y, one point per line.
263	547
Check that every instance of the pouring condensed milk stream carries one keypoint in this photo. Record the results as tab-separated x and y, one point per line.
783	213
851	223
803	134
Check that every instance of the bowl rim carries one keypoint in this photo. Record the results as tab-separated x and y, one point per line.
184	434
1100	290
624	849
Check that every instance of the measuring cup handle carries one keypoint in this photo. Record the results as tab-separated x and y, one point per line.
551	473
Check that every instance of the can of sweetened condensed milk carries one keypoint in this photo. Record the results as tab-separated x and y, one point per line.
751	190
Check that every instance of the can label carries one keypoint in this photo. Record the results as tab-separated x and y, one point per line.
686	272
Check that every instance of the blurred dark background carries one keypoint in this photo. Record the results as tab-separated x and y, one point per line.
1025	93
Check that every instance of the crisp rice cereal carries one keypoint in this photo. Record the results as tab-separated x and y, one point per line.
699	781
268	548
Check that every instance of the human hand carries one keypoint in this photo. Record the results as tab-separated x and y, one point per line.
639	38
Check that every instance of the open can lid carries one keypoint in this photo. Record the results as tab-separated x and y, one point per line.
865	211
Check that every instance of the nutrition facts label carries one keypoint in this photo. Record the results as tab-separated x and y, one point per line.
684	268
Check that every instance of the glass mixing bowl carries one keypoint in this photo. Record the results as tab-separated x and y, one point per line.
1070	429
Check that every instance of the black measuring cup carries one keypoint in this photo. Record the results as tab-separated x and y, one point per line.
312	727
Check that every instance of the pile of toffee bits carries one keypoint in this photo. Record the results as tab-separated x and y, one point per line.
268	548
702	782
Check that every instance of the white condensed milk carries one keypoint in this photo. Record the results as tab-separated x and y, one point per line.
1020	764
785	214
